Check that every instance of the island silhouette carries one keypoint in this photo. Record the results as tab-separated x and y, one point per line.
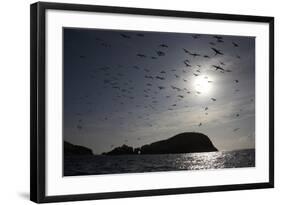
187	142
71	149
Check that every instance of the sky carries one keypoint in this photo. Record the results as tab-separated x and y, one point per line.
137	87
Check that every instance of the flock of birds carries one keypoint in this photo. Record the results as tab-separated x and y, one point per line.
154	92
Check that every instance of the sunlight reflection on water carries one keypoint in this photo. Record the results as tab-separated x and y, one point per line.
89	165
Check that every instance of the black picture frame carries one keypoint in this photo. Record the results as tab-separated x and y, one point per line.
38	101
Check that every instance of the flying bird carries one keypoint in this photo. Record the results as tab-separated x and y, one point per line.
213	99
141	55
149	77
163	45
186	51
218	37
125	36
195	36
235	44
218	67
186	63
194	54
160	78
217	52
160	53
175	88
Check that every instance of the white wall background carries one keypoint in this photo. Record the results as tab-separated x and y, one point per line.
14	101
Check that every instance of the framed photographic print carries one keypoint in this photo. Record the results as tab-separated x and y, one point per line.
129	102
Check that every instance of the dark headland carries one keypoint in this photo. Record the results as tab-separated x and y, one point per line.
187	142
70	149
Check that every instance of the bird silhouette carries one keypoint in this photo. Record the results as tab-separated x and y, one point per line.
141	55
160	53
213	99
217	52
218	38
195	36
186	51
175	88
160	78
218	67
149	77
235	44
194	54
163	45
186	63
125	36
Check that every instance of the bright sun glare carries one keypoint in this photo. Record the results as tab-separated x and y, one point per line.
203	85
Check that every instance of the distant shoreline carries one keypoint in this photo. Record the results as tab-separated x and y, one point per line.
246	149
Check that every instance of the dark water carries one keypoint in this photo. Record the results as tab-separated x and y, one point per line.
99	164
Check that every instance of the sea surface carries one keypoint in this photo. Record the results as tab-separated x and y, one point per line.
100	164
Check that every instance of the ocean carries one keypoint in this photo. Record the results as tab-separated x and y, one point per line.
101	164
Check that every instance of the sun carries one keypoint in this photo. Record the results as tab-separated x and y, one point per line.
203	85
